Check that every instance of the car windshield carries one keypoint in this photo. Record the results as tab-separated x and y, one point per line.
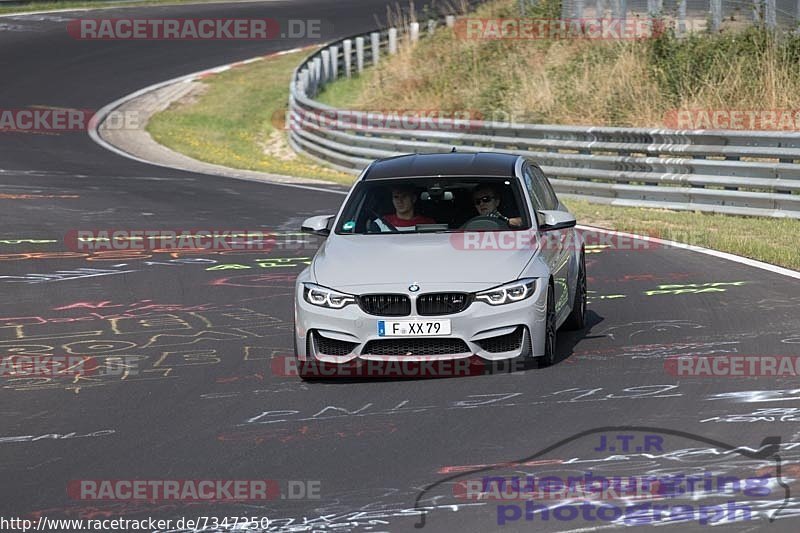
415	205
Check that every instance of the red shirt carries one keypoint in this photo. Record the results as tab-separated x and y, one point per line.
398	222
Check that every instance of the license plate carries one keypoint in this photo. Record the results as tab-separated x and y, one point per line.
413	328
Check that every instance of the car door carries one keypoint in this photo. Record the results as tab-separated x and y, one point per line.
555	243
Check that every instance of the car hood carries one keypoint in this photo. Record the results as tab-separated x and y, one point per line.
352	260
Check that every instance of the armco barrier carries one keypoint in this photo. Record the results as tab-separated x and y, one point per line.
733	172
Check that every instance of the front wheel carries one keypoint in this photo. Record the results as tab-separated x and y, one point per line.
577	317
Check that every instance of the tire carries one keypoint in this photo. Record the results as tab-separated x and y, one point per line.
550	355
577	317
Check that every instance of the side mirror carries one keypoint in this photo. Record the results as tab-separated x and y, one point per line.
554	220
318	225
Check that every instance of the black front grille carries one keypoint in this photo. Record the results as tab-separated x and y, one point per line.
327	346
416	347
443	303
509	342
385	304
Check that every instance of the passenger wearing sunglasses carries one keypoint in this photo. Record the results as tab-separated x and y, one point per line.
487	201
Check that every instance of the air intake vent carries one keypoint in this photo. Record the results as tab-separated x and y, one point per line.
409	347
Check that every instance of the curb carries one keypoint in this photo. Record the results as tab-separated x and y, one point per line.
194	165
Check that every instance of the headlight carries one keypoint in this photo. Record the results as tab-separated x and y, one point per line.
324	297
508	293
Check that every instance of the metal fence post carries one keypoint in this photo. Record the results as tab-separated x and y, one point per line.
621	10
393	41
681	17
797	17
313	80
359	54
655	7
566	9
769	15
304	81
375	41
317	68
413	32
716	14
334	62
347	45
326	65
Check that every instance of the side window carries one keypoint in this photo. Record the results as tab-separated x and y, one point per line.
536	198
544	190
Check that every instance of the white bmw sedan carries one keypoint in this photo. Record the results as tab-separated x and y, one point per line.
441	257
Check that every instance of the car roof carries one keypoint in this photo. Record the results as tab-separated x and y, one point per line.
485	164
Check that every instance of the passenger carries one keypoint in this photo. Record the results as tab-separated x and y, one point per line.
487	201
404	217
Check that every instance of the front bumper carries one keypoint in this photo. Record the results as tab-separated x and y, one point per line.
482	330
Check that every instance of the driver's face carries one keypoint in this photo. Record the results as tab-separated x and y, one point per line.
485	201
403	202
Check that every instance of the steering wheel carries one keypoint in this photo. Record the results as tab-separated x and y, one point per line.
484	222
391	227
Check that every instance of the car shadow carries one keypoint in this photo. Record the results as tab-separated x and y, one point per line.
565	347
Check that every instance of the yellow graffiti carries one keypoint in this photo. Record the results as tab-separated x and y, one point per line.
229	266
27	241
595	248
694	288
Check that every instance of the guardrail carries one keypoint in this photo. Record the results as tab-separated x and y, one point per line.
733	172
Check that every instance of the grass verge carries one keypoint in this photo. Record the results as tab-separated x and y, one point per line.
614	82
237	120
772	240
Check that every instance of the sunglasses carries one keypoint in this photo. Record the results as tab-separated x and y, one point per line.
483	200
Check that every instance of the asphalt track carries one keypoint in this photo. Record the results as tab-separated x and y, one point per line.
204	400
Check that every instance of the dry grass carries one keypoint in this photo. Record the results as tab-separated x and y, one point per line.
588	82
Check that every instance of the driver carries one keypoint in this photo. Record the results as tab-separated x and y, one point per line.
404	217
487	201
